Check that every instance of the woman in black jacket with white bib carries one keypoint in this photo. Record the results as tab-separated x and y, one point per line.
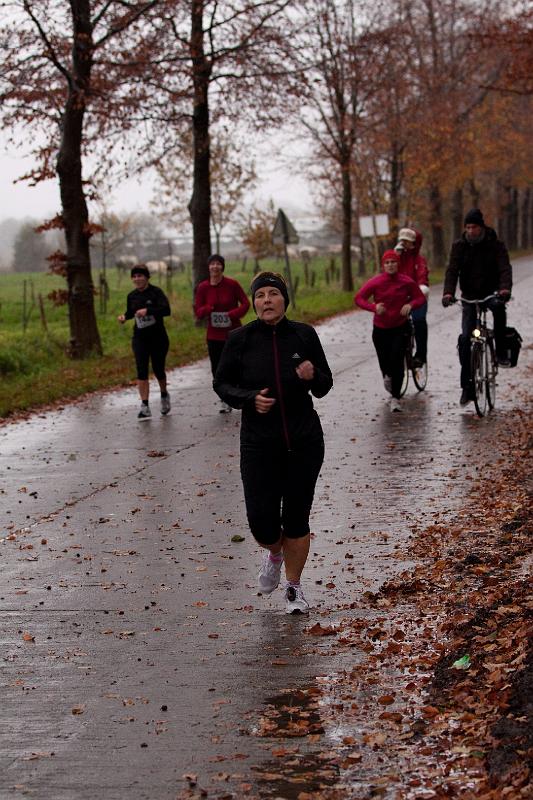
269	369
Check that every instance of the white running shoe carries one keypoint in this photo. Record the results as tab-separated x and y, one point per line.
144	412
224	408
270	574
395	404
165	405
387	383
295	602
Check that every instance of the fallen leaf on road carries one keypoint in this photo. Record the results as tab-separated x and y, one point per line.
318	630
386	699
430	711
462	663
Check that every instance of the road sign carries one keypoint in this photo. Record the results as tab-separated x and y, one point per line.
284	231
376	225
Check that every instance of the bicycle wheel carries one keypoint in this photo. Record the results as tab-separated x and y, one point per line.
477	371
405	382
491	372
420	377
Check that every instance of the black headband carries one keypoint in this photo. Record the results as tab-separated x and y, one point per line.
269	279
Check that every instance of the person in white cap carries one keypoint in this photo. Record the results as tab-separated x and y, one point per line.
415	266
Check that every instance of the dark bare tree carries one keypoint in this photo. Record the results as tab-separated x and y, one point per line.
62	84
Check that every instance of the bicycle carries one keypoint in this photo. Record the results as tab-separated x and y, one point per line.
483	360
419	373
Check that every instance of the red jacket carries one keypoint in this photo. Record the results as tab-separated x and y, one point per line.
227	296
392	290
413	264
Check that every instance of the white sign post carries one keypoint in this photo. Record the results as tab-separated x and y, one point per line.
371	227
285	233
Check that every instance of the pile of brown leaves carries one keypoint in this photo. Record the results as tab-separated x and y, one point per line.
441	704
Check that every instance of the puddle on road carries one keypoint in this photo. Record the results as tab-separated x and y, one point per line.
300	763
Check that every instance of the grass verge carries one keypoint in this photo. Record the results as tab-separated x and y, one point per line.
36	371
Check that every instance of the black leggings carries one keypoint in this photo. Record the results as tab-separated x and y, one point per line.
278	489
215	348
391	344
154	348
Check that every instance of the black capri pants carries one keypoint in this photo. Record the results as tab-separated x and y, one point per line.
279	487
391	345
215	348
154	348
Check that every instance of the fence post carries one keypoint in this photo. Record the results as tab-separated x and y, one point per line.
24	300
42	313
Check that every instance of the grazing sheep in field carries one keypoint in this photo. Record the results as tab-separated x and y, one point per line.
174	264
336	249
308	251
124	263
157	267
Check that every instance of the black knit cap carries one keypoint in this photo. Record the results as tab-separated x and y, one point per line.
140	269
269	279
474	217
217	257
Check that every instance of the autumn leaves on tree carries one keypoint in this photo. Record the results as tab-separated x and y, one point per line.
415	109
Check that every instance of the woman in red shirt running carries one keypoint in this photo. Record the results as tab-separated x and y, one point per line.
223	302
394	297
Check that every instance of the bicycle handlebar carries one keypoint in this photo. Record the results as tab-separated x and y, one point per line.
472	302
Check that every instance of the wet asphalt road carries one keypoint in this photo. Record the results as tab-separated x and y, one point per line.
151	654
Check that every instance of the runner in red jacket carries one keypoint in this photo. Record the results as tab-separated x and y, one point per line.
223	302
415	266
394	297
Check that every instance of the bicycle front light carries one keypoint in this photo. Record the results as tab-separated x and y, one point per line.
476	333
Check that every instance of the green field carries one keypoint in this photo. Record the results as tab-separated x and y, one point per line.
36	371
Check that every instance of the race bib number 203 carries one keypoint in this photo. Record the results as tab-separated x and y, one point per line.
220	319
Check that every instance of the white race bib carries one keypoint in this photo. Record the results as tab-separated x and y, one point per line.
220	319
145	322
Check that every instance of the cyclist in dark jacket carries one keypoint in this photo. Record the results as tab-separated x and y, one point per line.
480	262
269	369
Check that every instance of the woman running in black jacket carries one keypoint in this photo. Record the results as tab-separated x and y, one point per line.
268	369
147	305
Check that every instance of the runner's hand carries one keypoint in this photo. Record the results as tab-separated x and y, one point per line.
405	310
305	371
121	318
504	295
141	312
263	404
380	309
447	300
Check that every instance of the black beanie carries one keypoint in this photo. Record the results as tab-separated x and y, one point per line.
216	257
269	279
475	217
140	269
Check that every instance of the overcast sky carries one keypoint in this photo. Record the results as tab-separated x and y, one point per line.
20	200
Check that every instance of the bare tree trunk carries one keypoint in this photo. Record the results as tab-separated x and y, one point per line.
457	213
522	217
526	219
347	278
474	194
395	186
200	203
514	216
435	218
84	336
505	225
